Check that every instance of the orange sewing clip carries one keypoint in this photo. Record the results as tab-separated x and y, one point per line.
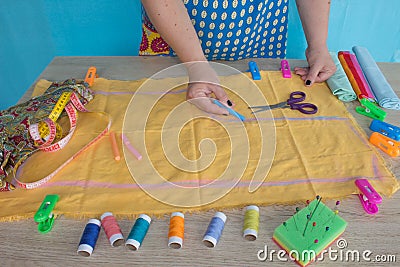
90	75
386	144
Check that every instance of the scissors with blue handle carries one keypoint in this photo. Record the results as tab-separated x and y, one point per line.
294	102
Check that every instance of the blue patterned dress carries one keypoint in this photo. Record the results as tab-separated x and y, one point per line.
230	30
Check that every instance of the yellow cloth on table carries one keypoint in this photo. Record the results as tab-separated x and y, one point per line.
315	154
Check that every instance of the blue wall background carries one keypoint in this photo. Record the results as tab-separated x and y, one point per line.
33	32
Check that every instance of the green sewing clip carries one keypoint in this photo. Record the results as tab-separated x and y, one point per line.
369	109
44	216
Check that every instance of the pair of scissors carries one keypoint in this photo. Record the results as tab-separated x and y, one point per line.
294	102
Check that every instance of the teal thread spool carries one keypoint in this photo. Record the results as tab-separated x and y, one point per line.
138	232
251	223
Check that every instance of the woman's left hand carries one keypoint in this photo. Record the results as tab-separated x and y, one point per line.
321	66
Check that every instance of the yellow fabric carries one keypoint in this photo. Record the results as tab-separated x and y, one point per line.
315	154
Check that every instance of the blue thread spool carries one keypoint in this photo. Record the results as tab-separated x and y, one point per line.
89	238
138	232
214	230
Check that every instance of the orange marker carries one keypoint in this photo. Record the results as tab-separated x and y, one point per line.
114	146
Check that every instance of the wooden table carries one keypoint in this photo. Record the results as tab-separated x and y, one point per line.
21	244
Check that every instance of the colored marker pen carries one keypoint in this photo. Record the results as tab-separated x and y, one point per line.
231	111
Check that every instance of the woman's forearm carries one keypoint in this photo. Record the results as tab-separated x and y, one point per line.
314	15
172	22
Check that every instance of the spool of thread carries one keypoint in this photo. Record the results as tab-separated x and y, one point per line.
251	223
112	229
89	238
176	230
138	232
214	230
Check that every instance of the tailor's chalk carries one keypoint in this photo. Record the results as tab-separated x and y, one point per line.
231	111
130	147
114	146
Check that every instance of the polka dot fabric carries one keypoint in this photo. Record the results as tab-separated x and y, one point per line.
237	29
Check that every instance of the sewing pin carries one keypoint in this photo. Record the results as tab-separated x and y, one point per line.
285	224
326	230
308	204
316	206
294	219
313	224
308	220
333	217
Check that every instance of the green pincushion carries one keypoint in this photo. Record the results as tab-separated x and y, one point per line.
304	239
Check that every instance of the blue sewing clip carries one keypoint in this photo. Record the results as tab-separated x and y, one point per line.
44	216
369	109
385	129
255	73
368	196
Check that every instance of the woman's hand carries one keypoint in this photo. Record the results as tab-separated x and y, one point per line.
321	66
203	86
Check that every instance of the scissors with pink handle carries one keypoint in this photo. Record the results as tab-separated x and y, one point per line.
295	101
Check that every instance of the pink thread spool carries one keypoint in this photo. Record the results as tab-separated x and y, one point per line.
112	229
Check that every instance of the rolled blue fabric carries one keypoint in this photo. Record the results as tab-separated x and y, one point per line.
339	83
384	93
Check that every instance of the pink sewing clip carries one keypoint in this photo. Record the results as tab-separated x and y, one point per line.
285	68
368	196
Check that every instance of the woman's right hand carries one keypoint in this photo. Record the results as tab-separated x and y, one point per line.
203	86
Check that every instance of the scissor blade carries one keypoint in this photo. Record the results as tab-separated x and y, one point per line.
279	105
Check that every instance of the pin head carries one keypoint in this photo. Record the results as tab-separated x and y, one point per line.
318	197
308	202
314	224
336	212
337	203
308	216
327	228
284	224
316	241
297	209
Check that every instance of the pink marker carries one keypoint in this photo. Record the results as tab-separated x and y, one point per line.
130	147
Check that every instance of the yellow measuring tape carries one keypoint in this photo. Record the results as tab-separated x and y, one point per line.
54	115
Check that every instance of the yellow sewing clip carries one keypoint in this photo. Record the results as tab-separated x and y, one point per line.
90	75
44	216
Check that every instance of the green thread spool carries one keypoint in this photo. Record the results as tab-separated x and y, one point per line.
251	222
